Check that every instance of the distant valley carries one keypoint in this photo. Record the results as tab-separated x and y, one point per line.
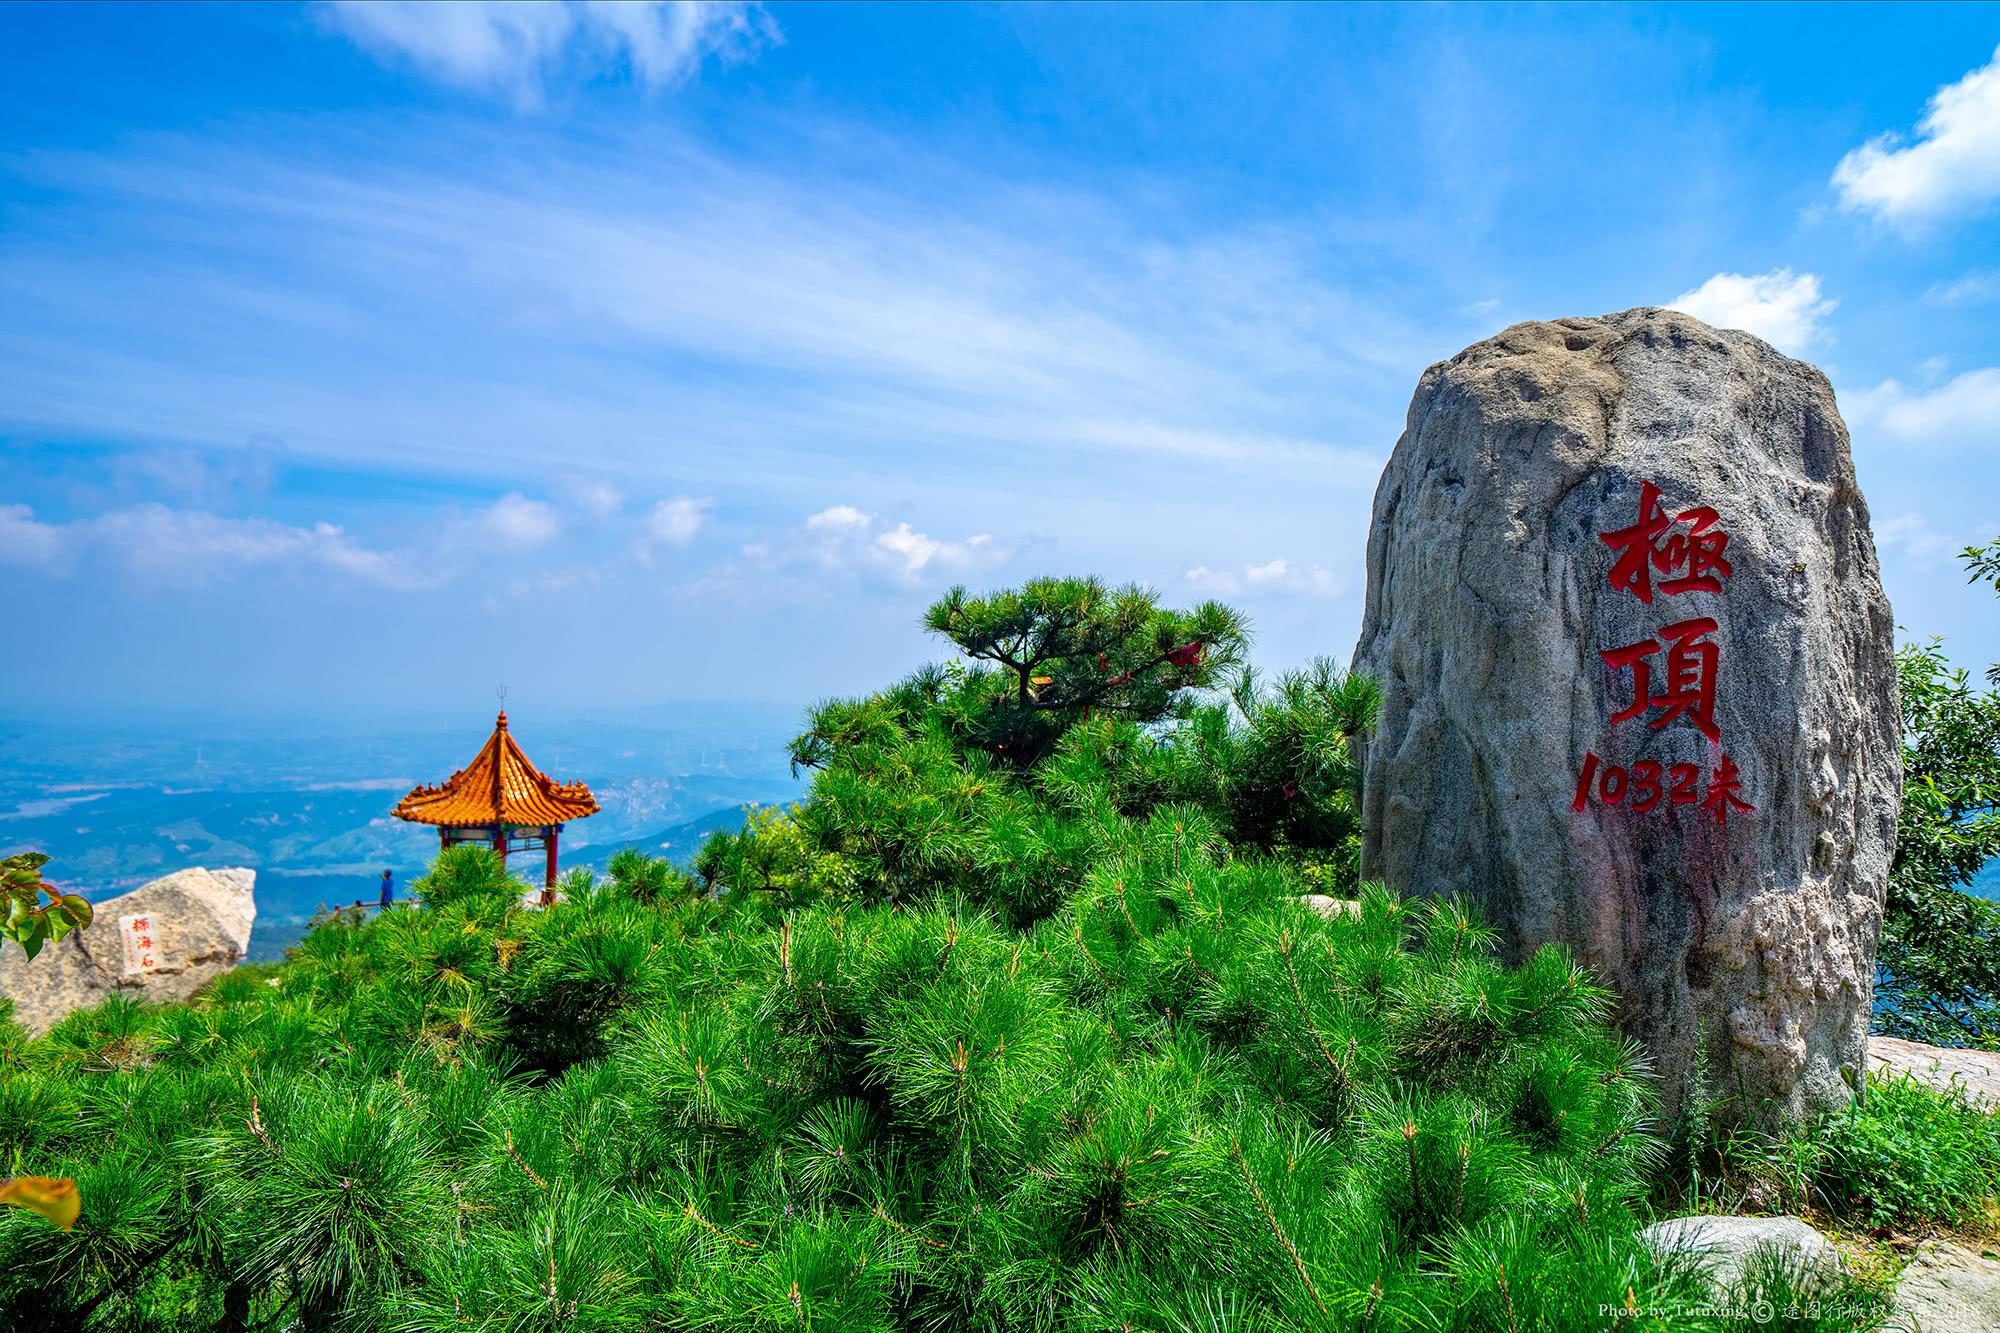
116	806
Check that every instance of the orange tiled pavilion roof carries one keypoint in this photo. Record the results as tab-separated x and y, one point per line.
499	786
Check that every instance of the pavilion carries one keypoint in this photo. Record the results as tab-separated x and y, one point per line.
500	799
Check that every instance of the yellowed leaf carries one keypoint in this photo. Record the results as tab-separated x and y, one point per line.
54	1198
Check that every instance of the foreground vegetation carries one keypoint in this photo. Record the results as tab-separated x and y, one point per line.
1017	1023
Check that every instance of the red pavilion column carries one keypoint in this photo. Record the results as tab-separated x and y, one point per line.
554	829
500	842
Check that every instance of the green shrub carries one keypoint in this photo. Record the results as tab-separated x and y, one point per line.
1027	1039
1908	1155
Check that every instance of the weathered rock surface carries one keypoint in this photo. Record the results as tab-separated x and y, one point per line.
1490	603
1725	1244
1976	1073
1330	907
1947	1288
199	921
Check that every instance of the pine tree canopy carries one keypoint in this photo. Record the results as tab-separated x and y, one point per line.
1039	1038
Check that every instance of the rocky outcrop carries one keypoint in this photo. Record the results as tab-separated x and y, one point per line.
160	942
1639	686
1975	1073
1724	1246
1947	1288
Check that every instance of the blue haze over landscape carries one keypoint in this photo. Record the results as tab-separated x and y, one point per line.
662	364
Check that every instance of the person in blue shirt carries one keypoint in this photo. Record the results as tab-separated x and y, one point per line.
388	888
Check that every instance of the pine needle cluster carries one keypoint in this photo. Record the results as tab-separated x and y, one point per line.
962	1042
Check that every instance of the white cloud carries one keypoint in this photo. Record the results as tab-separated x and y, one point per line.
515	520
1953	167
26	541
156	541
839	516
915	551
675	522
516	47
201	478
1782	308
1976	288
1215	582
190	545
1313	580
1919	543
960	313
1265	573
1964	410
599	499
842	537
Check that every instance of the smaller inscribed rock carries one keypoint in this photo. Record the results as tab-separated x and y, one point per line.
160	942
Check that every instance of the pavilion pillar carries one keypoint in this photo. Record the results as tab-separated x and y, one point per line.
500	842
550	880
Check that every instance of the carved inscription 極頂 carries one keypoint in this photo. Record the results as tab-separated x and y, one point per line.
1687	551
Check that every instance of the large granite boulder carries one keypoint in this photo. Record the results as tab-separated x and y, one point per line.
1639	686
160	942
1976	1074
1947	1288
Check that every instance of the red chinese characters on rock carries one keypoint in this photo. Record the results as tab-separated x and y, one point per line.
1694	557
1690	661
140	955
1689	678
1643	783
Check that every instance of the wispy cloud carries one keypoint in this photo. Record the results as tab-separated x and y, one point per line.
1951	168
515	520
1276	576
594	496
676	521
843	537
1913	539
969	316
1783	308
1964	410
1976	288
160	543
843	542
24	540
516	48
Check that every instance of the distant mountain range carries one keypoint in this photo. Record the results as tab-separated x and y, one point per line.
115	807
679	842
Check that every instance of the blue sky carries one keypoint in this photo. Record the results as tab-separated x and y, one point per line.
354	360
